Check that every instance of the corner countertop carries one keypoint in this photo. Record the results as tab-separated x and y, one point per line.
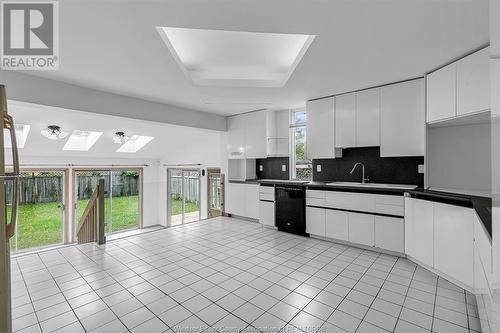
482	205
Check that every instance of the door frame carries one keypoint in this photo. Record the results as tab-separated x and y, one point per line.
219	171
65	214
169	205
112	168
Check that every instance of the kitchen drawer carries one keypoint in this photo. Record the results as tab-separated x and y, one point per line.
266	189
315	202
394	200
390	209
352	201
266	196
315	194
266	213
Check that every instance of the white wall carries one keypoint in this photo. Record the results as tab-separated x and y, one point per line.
32	89
208	150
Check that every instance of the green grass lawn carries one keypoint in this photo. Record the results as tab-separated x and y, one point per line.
40	224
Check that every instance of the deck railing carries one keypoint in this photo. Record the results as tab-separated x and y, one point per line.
91	224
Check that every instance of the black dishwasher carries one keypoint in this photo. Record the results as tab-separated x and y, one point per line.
290	210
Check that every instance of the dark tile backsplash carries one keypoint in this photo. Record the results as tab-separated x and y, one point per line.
272	168
394	170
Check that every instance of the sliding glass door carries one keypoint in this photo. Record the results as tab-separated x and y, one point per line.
41	209
183	196
121	197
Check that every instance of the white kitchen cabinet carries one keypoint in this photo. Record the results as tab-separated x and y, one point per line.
255	134
350	200
337	224
251	201
266	213
389	233
362	229
235	199
345	120
235	137
315	221
402	119
473	82
368	118
419	230
320	128
441	93
278	129
453	239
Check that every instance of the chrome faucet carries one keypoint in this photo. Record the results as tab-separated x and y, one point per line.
363	179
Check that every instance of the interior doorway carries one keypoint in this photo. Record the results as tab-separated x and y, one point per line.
184	198
215	192
122	197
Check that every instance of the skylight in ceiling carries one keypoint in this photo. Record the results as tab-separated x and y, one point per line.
21	131
236	58
82	140
134	144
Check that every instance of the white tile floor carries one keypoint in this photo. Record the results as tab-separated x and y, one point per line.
227	275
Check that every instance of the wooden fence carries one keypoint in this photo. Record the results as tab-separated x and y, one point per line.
48	187
192	188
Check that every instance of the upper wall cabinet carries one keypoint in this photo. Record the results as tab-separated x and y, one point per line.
368	118
441	93
321	128
345	120
402	119
249	135
255	134
473	83
461	88
357	117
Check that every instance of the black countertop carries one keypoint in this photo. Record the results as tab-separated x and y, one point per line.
482	205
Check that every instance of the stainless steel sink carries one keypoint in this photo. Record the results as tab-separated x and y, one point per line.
371	185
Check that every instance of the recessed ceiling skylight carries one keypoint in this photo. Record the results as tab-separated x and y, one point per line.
135	143
21	131
82	140
236	58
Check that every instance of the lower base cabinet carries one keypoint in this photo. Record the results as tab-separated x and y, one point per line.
337	224
315	221
454	242
389	233
362	229
266	213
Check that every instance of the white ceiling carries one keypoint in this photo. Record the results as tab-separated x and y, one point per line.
114	46
167	138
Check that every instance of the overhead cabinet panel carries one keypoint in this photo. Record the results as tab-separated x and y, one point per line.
255	134
321	128
345	120
235	137
368	118
442	93
473	83
402	119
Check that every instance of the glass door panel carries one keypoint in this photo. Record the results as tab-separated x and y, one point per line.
183	196
191	198
125	200
40	220
86	183
214	193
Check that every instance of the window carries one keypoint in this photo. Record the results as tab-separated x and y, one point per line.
300	165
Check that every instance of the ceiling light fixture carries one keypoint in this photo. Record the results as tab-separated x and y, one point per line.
120	137
54	132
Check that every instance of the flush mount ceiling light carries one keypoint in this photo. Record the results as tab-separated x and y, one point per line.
120	137
235	58
82	140
22	132
135	143
54	132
